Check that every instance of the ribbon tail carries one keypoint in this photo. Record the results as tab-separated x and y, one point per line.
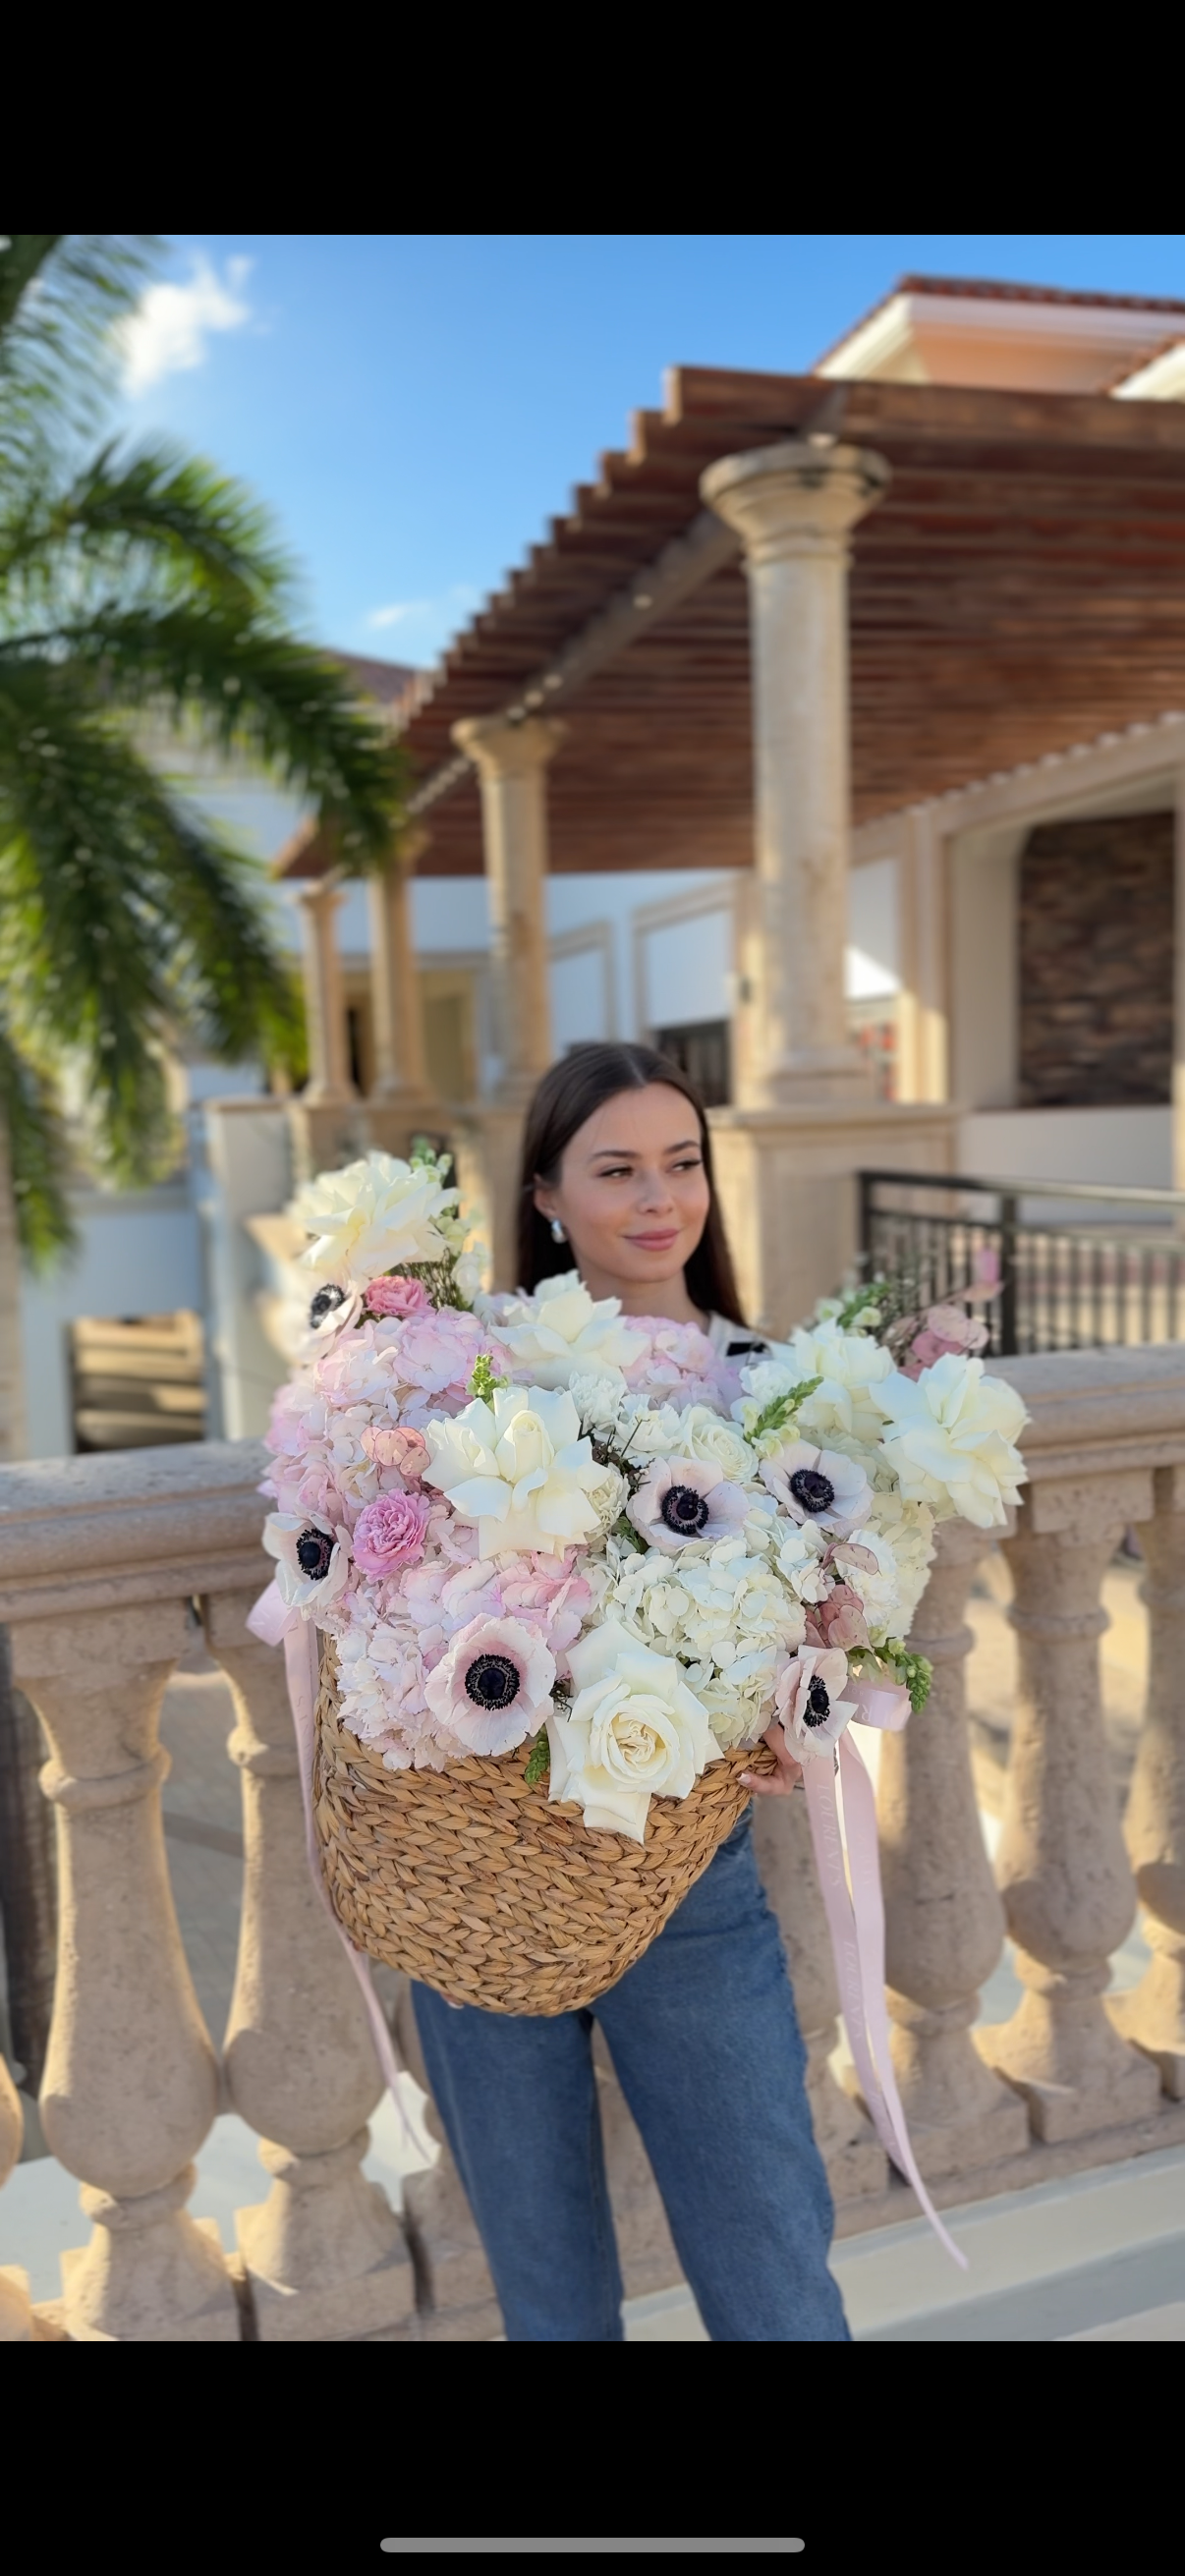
302	1663
869	1919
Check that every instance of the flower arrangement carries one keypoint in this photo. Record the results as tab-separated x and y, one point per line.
535	1526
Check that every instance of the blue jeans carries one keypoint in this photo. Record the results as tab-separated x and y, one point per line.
703	2035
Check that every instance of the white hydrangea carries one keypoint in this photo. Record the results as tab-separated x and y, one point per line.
801	1557
725	1614
907	1531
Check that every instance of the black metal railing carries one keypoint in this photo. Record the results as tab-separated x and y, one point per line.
1111	1271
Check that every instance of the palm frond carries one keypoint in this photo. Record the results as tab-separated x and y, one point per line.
122	916
249	688
39	1157
60	294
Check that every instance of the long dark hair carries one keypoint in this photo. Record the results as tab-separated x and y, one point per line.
572	1091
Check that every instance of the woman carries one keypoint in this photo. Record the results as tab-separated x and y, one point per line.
617	1182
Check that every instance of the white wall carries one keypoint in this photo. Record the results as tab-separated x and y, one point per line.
1133	1147
984	1000
872	962
139	1255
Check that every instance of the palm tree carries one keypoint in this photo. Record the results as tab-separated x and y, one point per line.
133	585
136	584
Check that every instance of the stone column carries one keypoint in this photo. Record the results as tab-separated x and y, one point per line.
12	1374
324	1120
329	1068
856	2163
402	1102
793	505
324	2253
1179	999
944	1923
16	2315
1153	2014
1066	1882
511	762
131	2083
806	1120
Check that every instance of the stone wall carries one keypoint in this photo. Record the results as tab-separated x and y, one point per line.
1095	927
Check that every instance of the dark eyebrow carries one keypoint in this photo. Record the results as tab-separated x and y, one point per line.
628	1153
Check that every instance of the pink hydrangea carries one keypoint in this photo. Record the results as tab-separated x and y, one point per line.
395	1445
390	1532
837	1620
397	1297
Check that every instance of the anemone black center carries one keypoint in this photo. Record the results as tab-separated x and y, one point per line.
816	1493
684	1511
492	1680
314	1550
818	1704
326	1302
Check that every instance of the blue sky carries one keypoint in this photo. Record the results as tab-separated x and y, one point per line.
413	406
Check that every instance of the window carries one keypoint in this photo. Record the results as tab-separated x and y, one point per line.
702	1051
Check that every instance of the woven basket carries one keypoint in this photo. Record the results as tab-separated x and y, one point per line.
478	1886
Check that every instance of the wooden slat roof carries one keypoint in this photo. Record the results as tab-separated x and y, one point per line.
1020	589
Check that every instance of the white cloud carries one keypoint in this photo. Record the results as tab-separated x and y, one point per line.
170	326
422	627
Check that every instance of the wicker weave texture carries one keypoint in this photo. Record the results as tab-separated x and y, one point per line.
478	1886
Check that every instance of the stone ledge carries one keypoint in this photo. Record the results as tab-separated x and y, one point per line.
1038	2163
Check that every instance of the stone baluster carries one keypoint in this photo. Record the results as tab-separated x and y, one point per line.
944	1922
16	2315
324	2253
856	2164
131	2081
1153	2014
1067	1886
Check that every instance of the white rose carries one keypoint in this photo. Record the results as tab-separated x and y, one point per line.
707	1436
951	1439
565	1332
634	1731
520	1469
371	1217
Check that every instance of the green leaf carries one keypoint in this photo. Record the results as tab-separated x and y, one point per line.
538	1760
38	1158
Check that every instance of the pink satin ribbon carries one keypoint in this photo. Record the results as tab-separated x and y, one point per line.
272	1621
856	1921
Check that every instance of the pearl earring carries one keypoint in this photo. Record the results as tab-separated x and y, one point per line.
557	1232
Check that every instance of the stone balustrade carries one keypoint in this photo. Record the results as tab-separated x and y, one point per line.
102	1561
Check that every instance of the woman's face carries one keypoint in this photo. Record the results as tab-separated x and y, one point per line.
632	1193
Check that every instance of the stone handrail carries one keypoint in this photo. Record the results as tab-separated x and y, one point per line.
102	1559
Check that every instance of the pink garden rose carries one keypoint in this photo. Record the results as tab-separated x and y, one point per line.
397	1297
390	1532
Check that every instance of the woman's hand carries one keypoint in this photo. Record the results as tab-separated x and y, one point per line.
787	1777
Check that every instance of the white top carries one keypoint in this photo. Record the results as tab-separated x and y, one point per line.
735	1341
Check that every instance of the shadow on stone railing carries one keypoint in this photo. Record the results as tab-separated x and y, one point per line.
102	1558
